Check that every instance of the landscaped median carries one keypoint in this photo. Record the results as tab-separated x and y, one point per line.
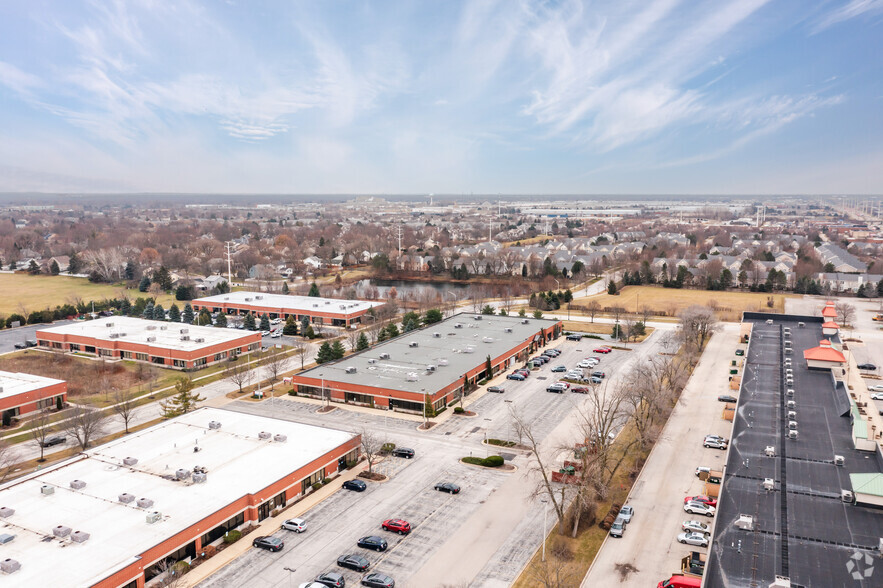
491	462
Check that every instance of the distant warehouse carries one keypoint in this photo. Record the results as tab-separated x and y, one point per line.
324	311
24	393
172	345
118	515
441	360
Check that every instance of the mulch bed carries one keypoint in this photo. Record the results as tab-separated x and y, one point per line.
326	409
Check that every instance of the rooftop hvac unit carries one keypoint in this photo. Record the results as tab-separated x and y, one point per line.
412	377
163	328
214	425
114	336
790	391
469	349
351	369
769	484
153	517
838	460
792	434
78	484
792	425
508	329
437	335
264	435
430	368
372	360
769	321
458	326
200	478
525	321
47	490
200	340
477	317
745	522
79	536
108	325
184	330
791	404
280	438
8	566
61	531
6	512
6	538
126	498
258	297
130	461
185	337
315	306
792	415
412	344
226	298
770	451
846	496
781	582
342	307
327	302
182	474
487	339
248	299
145	503
151	339
384	356
443	362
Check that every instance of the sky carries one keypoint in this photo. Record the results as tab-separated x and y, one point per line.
484	97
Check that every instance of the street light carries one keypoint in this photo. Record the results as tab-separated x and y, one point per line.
545	517
290	571
486	430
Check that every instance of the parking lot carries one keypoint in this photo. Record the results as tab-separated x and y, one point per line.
9	337
438	519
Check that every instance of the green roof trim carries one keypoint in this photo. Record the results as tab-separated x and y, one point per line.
860	428
867	483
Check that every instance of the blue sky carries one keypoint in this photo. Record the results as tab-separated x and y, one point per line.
509	96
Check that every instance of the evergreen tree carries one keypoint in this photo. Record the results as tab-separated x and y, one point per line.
362	342
611	288
488	368
432	316
860	293
524	270
290	327
163	278
314	291
144	285
726	279
221	321
129	272
148	311
392	330
125	307
138	307
310	333
250	322
325	354
337	350
285	289
568	296
12	266
204	318
880	288
382	335
187	316
174	313
503	312
54	269
488	310
75	265
159	313
265	322
304	324
183	401
538	314
183	292
33	268
616	332
522	313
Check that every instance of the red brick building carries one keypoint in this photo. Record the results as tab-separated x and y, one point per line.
24	393
325	311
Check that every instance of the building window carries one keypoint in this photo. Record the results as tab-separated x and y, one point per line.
179	363
253	346
46	403
57	345
316	477
74	347
141	357
219	531
158	360
44	343
105	352
220	356
200	362
126	354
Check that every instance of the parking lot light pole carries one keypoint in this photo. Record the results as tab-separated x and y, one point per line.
486	431
545	517
290	571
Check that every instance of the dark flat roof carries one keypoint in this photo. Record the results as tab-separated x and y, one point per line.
802	530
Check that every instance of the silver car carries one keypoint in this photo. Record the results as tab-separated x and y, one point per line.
697	539
617	528
296	525
695	527
626	513
699	508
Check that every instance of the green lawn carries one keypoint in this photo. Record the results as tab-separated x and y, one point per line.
23	293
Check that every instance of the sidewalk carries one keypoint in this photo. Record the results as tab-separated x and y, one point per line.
267	527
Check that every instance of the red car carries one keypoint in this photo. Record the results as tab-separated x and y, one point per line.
601	350
701	498
398	525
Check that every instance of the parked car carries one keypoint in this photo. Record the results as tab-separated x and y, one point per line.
265	333
403	452
523	371
876	388
617	528
726	398
557	387
373	542
697	539
715	443
268	543
595	380
53	440
516	376
699	508
275	321
867	366
701	469
701	498
331	579
375	580
447	487
579	389
585	364
20	345
355	485
574	337
496	389
353	561
599	374
559	368
312	585
626	513
296	525
276	334
552	352
602	350
876	395
740	352
695	527
399	526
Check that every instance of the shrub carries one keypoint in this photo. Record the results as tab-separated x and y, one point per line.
232	537
351	464
473	460
387	447
180	568
494	461
459	410
482	382
292	392
317	485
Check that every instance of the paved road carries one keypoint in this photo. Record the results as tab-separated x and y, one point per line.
649	543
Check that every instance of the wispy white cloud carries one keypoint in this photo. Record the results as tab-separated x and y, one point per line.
852	9
17	80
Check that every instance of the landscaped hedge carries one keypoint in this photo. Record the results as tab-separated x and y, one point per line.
494	461
459	410
232	537
387	447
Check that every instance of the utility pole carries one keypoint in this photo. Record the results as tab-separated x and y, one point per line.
229	265
399	253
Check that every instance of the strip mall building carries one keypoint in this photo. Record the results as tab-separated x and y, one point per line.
171	345
108	517
323	311
440	360
24	393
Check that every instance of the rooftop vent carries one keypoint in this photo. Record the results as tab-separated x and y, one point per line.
200	340
781	582
508	329
372	360
108	324
412	344
838	461
384	356
280	438
770	451
458	326
214	425
130	461
185	337
6	512
437	335
792	434
769	484
200	478
745	522
47	490
126	498
443	362
184	330
61	531
351	369
6	538
8	566
153	517
78	484
182	474
79	536
264	435
145	503
412	377
846	496
163	328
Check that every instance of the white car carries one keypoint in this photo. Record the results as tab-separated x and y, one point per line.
695	527
296	525
276	334
699	508
275	321
877	388
697	539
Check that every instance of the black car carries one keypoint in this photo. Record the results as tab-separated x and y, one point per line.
331	579
21	345
268	543
574	337
31	343
867	366
375	580
355	485
373	542
726	398
403	452
53	440
353	562
447	487
497	389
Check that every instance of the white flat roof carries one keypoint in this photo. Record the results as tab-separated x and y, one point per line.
291	303
236	460
14	383
134	330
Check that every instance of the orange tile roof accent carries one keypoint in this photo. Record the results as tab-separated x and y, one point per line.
829	311
824	354
830	325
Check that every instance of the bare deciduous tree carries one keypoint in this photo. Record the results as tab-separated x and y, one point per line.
352	338
845	312
372	444
697	325
41	429
8	460
276	363
124	406
551	573
85	424
239	373
299	350
594	308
